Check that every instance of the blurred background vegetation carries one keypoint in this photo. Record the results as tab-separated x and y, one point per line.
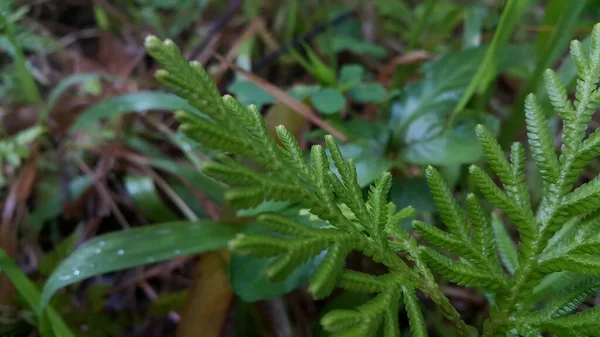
103	203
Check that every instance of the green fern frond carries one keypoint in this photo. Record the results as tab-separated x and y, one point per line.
587	264
418	328
373	227
540	141
557	93
494	155
462	273
377	205
569	299
585	199
482	232
327	275
367	318
451	214
506	247
580	324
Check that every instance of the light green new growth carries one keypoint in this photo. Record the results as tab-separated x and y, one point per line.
519	290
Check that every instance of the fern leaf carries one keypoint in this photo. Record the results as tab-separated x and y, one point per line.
295	156
341	319
540	140
569	299
580	263
461	273
258	245
329	271
320	165
234	176
519	191
558	95
452	216
506	247
377	203
349	191
585	199
482	232
391	326
365	283
494	194
589	150
494	155
416	320
285	225
366	319
445	240
584	323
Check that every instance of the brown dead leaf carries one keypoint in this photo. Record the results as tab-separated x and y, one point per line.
280	114
209	298
19	192
387	72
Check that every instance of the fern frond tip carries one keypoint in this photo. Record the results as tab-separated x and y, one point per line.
151	42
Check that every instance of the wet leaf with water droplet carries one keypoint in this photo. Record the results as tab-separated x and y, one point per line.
135	247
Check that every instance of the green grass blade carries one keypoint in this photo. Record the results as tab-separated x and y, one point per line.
487	69
60	89
31	295
136	102
27	84
561	18
134	247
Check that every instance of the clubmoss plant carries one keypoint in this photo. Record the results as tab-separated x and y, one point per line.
553	250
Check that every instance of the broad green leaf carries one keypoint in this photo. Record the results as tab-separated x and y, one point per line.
31	295
428	143
144	195
249	278
328	100
137	246
249	93
443	84
368	93
412	192
351	74
136	102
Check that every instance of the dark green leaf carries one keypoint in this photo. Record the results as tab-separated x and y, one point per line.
428	143
412	192
249	278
